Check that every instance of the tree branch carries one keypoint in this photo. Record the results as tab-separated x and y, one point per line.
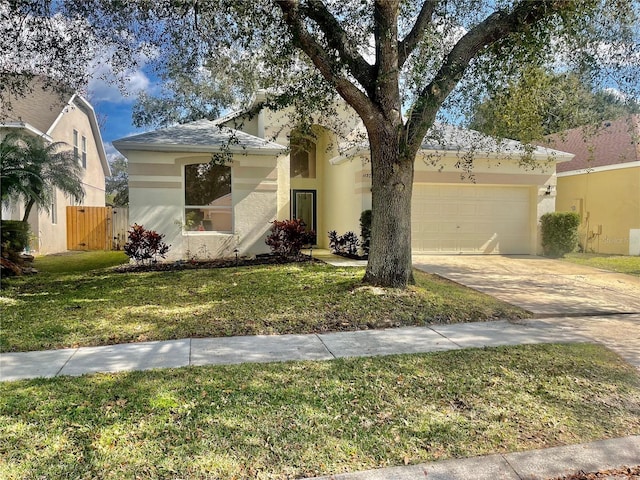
329	66
339	40
497	26
408	44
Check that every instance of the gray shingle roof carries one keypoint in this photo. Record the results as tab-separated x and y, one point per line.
199	136
450	138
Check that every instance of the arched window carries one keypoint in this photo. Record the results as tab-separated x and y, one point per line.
207	197
303	155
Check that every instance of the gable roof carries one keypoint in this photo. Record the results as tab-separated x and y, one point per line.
201	136
615	142
40	110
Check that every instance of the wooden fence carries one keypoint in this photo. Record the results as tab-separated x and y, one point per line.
97	228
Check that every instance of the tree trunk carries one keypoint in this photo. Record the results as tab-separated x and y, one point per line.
392	184
27	209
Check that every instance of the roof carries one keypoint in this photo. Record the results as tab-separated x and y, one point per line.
450	138
443	138
203	136
41	108
615	142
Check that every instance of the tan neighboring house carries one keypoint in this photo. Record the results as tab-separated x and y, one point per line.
71	120
325	179
602	184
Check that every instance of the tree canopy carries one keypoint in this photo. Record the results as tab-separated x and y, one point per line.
397	63
538	103
117	185
32	169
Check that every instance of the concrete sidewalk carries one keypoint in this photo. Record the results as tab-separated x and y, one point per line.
539	464
274	348
534	464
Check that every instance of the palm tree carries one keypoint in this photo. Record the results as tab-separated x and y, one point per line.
31	170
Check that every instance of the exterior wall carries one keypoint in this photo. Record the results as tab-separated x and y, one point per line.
609	204
344	189
49	230
486	171
156	200
93	177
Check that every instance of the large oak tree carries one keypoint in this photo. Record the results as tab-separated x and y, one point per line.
396	62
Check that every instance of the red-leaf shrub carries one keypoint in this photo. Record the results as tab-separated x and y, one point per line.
287	237
145	245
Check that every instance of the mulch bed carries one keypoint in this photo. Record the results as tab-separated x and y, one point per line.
266	259
624	473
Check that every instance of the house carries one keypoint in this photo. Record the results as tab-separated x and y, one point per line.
323	176
602	184
58	118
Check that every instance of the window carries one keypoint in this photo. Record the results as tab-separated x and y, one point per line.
75	145
207	197
303	156
84	152
54	207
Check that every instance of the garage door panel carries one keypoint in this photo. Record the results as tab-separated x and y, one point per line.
473	219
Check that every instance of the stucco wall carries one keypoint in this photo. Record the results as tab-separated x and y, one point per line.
156	200
609	204
49	236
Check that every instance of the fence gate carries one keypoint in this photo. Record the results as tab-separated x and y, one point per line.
89	228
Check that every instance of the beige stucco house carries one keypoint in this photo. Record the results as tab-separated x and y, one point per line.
69	119
602	184
324	177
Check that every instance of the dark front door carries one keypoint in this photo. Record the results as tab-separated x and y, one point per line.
303	206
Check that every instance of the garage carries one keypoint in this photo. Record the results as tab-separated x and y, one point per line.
480	219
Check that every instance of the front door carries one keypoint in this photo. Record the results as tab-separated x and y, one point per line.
303	206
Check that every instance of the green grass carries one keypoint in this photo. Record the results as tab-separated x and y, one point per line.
103	307
70	262
296	419
615	263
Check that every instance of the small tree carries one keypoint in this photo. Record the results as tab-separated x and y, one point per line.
145	245
32	170
559	233
287	237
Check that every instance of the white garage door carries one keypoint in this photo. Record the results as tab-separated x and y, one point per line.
470	219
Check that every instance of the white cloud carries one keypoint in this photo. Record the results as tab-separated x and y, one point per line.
108	86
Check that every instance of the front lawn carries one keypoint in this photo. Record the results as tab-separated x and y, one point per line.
288	420
615	263
100	307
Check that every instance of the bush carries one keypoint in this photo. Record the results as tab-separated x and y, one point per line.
365	230
346	244
559	233
15	235
144	245
287	237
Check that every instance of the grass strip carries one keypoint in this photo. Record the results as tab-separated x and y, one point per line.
615	263
289	420
102	307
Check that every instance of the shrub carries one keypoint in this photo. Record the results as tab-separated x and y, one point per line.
559	233
346	244
365	230
15	235
144	245
287	237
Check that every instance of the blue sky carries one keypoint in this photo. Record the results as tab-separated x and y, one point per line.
113	102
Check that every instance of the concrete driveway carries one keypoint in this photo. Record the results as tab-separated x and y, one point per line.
548	288
597	304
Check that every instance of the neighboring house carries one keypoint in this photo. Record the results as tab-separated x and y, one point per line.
325	179
56	118
602	184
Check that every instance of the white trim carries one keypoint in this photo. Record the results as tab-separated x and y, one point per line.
604	168
209	149
28	127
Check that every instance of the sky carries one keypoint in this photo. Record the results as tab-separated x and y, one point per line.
114	106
